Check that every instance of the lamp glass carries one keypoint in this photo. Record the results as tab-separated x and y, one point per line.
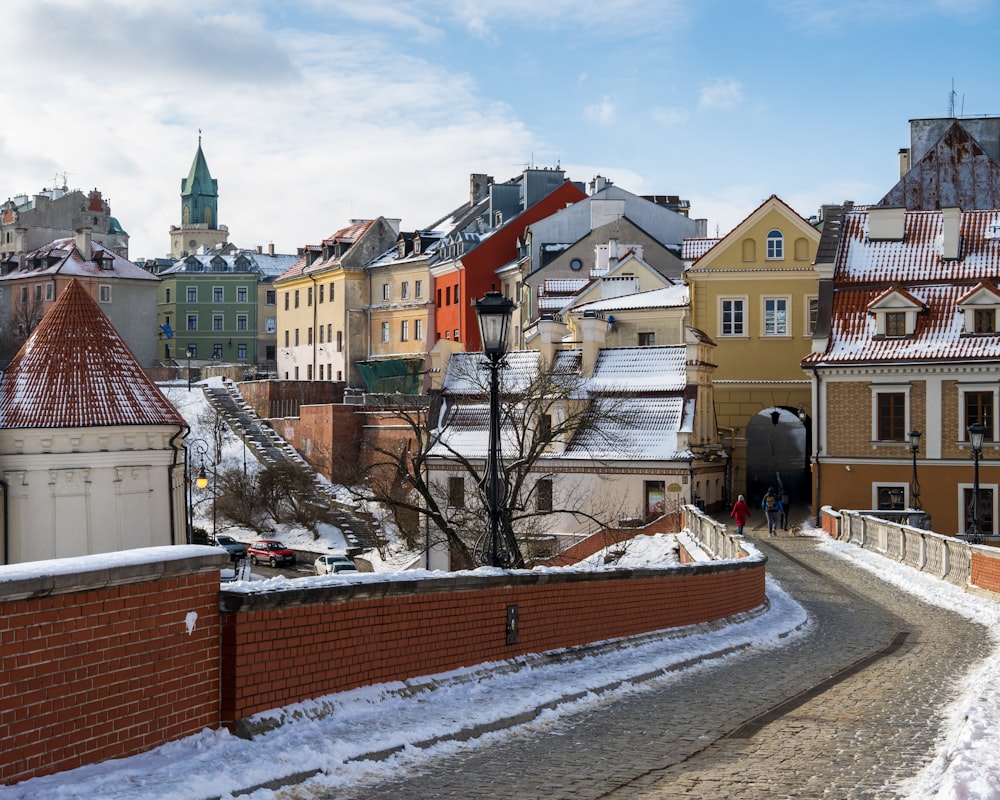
977	432
914	440
202	480
494	311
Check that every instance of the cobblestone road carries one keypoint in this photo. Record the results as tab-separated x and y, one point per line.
846	712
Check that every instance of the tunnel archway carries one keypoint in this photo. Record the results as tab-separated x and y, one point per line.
778	455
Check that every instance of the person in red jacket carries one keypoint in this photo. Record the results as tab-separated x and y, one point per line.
740	513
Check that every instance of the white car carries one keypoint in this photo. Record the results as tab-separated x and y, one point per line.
331	565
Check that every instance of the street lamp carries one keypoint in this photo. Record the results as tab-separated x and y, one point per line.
190	353
977	432
914	483
494	313
201	480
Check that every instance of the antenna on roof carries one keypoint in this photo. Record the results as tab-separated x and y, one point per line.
951	100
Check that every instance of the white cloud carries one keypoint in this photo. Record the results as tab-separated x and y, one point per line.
668	117
721	93
603	113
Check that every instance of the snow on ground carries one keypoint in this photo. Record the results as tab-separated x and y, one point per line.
422	716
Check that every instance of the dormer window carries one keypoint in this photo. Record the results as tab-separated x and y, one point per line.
979	309
895	312
401	249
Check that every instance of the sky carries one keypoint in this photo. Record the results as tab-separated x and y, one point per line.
316	112
326	735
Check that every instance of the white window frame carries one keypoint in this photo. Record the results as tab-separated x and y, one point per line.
404	290
418	330
742	332
242	322
810	324
876	485
50	291
387	291
104	293
960	501
786	300
386	333
242	294
418	288
404	330
218	322
192	294
270	325
191	318
775	245
218	294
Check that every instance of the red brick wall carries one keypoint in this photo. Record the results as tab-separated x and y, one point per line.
986	570
670	523
286	647
106	671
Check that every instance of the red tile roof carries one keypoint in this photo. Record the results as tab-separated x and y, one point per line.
866	269
75	371
348	236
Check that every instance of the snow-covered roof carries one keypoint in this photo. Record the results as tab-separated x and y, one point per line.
62	257
913	267
75	371
676	296
643	428
640	369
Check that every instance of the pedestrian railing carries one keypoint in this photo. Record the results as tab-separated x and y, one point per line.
713	535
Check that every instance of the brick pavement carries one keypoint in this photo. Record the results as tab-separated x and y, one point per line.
845	712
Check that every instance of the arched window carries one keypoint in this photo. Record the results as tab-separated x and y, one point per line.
775	245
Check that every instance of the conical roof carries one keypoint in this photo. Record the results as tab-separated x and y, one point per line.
75	371
199	179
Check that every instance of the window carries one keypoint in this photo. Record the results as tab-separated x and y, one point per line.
309	335
385	331
329	332
241	294
978	408
192	294
322	288
322	331
192	350
812	315
309	372
331	295
891	498
775	245
192	322
321	371
309	297
891	420
647	339
217	351
985	526
543	494
241	322
50	291
38	292
166	294
241	351
296	298
296	337
418	288
270	297
775	316
286	338
386	291
217	322
340	342
456	492
545	427
404	331
216	294
456	295
270	325
733	318
24	295
418	329
104	293
286	301
439	298
404	290
456	334
985	320
447	295
895	323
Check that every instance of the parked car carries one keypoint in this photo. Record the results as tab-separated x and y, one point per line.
325	564
236	550
271	551
344	568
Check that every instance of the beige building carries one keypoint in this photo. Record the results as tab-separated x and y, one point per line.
755	292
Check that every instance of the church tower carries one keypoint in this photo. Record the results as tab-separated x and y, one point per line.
199	211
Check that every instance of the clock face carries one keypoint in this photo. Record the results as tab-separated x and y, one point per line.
575	264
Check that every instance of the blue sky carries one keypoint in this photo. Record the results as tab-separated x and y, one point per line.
317	112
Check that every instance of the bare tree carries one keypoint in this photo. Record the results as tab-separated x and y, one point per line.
25	314
415	472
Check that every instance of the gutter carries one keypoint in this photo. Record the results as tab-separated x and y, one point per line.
817	426
6	520
182	431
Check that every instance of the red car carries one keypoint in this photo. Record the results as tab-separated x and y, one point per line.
271	551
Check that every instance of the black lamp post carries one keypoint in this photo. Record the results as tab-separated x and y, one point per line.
190	353
201	480
494	312
914	483
977	432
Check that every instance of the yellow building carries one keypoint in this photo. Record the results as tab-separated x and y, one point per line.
755	291
322	300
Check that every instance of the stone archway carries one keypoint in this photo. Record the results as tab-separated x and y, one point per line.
778	455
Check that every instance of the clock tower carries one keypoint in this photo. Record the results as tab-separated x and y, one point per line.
199	211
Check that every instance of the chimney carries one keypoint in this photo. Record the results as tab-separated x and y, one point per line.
593	331
951	240
886	224
83	243
260	249
550	335
479	187
270	248
904	161
612	253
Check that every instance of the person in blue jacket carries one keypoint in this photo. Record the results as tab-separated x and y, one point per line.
771	504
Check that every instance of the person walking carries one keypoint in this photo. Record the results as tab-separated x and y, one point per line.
740	513
772	510
786	503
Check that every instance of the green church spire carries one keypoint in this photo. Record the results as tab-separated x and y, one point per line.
200	194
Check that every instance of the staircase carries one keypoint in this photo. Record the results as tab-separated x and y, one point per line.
270	448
